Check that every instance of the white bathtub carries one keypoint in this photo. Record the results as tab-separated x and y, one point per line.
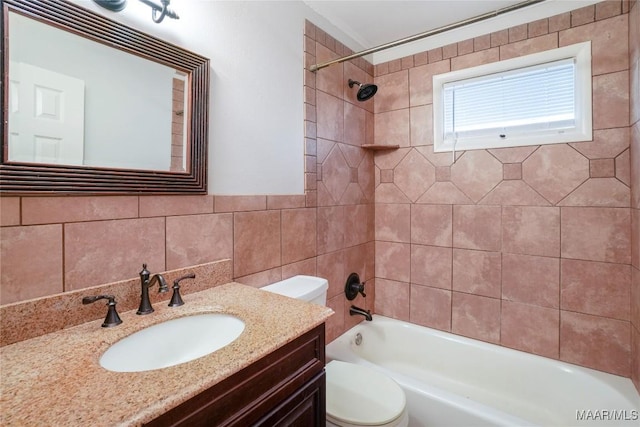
455	381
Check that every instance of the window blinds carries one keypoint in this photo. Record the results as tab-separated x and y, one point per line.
537	99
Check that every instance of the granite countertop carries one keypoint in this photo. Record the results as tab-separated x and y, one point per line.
56	379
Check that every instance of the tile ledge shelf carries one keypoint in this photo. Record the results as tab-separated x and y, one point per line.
378	147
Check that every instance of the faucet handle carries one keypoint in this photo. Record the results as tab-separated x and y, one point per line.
112	318
176	299
144	274
353	287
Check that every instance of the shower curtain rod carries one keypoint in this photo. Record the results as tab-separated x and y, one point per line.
428	33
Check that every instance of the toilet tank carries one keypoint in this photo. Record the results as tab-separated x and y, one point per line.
307	288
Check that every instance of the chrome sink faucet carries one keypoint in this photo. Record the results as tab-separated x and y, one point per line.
146	283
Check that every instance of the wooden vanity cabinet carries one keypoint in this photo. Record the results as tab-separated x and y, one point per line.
284	388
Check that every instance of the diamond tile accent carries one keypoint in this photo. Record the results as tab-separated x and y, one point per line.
352	154
602	168
352	195
513	193
606	144
623	167
555	171
445	193
389	159
443	173
336	173
354	175
437	159
476	173
513	154
512	171
414	175
599	192
365	176
386	175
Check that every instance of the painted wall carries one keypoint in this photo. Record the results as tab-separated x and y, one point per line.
527	247
256	54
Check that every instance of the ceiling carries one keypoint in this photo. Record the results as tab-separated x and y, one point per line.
373	23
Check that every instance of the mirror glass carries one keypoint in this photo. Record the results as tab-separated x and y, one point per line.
94	106
73	101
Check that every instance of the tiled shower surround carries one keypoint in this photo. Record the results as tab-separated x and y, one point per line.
529	247
534	248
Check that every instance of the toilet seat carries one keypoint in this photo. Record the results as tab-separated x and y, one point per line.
361	396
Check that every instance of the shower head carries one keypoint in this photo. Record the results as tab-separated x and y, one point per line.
366	90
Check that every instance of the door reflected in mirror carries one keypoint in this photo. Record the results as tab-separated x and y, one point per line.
74	101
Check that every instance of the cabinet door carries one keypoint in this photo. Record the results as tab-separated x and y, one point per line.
304	408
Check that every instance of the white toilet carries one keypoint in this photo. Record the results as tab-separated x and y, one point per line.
356	395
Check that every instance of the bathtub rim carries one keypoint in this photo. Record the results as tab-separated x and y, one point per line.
623	385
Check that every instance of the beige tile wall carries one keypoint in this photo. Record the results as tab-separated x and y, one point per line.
634	85
534	248
340	172
526	247
58	244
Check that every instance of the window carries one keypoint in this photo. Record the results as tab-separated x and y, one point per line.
543	98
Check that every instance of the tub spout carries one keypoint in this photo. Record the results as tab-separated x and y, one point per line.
357	310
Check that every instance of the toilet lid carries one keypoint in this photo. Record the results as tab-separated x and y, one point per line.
360	395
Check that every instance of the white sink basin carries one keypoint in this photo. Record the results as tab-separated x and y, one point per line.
172	342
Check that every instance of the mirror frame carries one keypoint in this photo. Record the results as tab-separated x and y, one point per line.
31	178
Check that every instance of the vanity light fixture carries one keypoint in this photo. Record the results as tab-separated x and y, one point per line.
158	12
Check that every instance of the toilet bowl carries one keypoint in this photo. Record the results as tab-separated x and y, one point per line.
360	396
356	395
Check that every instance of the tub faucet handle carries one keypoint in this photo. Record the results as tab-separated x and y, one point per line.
353	287
112	318
361	290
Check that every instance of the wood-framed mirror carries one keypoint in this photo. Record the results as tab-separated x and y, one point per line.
140	123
